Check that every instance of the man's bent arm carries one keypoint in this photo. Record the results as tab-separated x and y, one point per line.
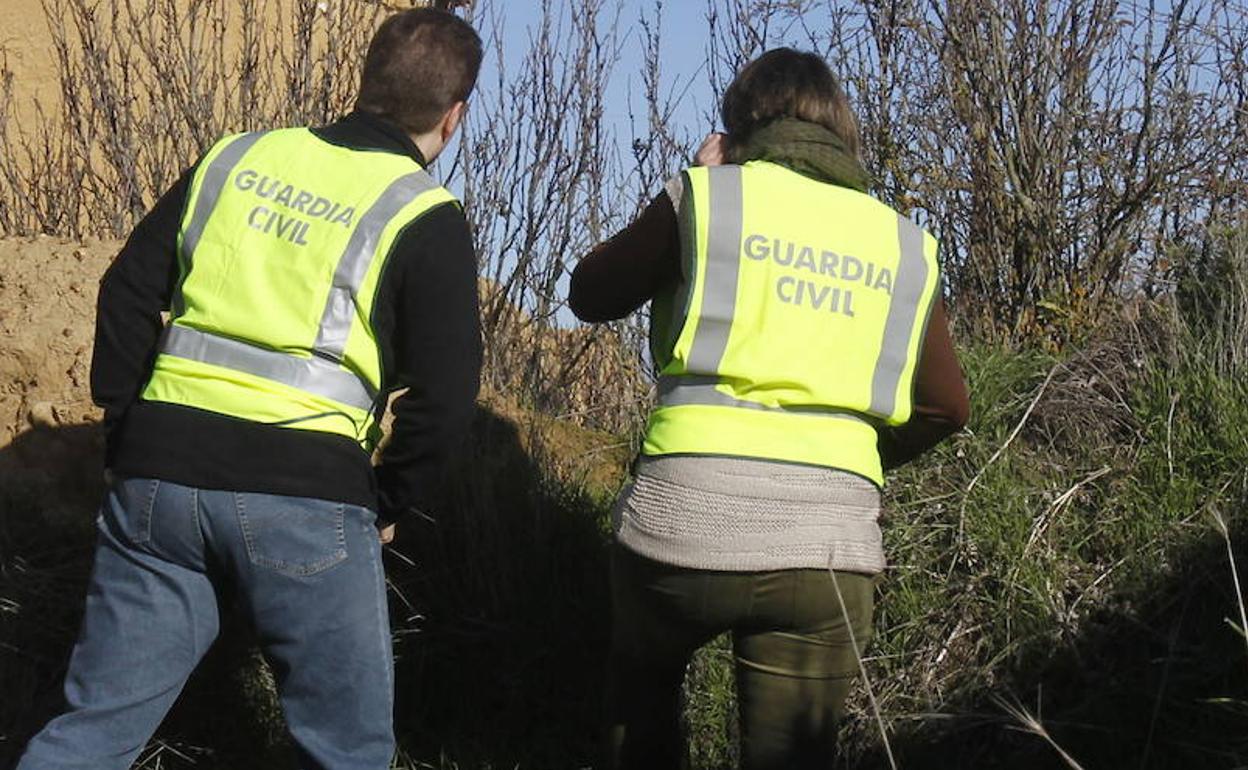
136	288
428	322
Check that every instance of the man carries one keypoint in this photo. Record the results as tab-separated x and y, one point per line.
307	273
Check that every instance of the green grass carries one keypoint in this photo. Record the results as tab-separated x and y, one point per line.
1082	573
1061	556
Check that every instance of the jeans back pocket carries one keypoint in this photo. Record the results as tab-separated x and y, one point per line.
130	503
295	536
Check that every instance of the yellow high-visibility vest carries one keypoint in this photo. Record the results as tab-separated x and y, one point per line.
797	326
281	248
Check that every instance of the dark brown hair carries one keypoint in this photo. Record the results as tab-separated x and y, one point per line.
784	83
420	62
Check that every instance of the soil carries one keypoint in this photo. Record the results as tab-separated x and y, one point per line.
50	443
47	303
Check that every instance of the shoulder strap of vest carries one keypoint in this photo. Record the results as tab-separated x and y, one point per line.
331	337
724	224
206	189
899	327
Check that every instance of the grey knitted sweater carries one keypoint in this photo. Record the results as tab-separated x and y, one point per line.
737	514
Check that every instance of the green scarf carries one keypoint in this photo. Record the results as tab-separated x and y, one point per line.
807	148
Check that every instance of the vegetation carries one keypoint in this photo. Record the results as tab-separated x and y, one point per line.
1064	588
1069	555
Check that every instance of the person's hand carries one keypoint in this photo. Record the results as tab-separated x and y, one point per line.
386	531
711	151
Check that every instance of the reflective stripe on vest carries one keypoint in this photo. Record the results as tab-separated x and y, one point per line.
321	374
688	390
719	297
723	267
908	288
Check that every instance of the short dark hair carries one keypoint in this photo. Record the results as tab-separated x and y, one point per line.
784	83
419	63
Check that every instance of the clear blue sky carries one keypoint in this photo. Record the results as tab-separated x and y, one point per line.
684	41
683	53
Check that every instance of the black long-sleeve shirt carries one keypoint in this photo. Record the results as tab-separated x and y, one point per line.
427	328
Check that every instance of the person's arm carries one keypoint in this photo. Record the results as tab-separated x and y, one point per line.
134	291
625	272
428	322
941	406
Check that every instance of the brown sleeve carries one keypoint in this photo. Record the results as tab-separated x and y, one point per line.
941	405
624	273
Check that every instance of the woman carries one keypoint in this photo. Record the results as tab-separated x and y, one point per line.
803	347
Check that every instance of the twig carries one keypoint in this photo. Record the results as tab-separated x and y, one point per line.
1045	519
862	669
1174	401
1031	724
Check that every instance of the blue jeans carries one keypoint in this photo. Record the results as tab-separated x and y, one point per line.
309	576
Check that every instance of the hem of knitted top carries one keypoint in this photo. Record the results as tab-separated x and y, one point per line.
686	511
840	556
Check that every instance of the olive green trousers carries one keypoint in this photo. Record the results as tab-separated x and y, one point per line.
794	656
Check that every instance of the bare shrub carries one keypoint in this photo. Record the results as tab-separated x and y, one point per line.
145	86
542	184
1055	148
